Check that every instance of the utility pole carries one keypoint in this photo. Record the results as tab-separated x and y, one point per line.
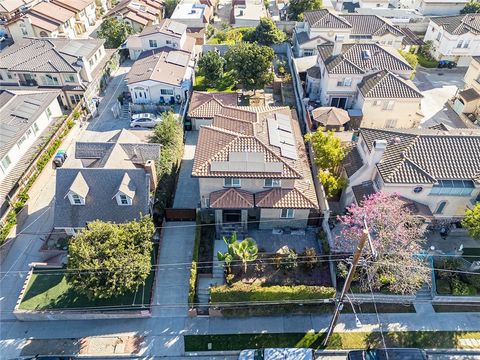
348	281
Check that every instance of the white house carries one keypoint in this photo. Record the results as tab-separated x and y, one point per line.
167	33
321	26
25	115
455	38
161	76
247	13
439	7
193	14
436	171
373	4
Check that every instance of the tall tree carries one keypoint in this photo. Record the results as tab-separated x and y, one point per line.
169	132
267	33
472	221
332	184
169	6
107	260
397	237
252	64
115	32
211	66
328	149
296	8
471	8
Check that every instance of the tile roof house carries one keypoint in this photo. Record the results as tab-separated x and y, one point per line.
161	75
468	100
138	13
367	77
204	106
72	65
322	26
167	33
110	181
252	166
438	169
455	38
27	117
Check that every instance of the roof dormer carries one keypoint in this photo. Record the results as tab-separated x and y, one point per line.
125	192
78	191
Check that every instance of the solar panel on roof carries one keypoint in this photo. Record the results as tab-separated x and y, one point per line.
176	27
280	134
177	58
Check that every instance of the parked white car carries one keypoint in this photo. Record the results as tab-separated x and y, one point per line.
277	354
146	120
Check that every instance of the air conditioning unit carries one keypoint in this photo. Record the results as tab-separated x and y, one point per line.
174	45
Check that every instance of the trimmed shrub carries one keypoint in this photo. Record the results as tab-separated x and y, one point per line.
309	259
244	292
459	288
194	270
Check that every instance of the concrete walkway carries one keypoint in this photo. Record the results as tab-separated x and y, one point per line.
187	194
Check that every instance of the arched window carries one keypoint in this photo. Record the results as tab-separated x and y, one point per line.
43	34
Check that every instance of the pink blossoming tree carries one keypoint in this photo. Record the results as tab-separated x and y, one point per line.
396	234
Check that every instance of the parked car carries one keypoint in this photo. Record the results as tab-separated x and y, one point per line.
446	64
277	354
388	354
146	120
60	158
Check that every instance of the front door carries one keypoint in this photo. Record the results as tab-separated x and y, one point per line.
232	216
339	102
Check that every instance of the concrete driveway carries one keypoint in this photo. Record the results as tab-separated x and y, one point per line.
437	87
187	194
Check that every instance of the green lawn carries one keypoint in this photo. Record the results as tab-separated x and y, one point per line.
49	290
226	84
350	340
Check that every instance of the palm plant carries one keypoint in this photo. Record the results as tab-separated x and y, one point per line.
246	250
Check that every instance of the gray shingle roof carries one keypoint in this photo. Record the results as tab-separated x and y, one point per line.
50	55
460	24
352	61
325	19
425	156
18	111
385	85
370	25
100	202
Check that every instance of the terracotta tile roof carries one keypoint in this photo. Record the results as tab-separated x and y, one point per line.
460	24
208	104
232	124
283	198
385	85
426	156
52	11
354	59
231	199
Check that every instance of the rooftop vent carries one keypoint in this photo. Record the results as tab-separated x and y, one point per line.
366	55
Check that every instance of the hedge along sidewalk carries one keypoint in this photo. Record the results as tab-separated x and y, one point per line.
339	340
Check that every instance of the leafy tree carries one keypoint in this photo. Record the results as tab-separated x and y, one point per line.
169	6
296	8
115	32
169	132
107	260
211	66
251	63
331	183
328	149
228	256
267	33
246	250
396	235
471	8
472	221
412	59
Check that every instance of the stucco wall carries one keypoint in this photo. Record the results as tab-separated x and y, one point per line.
404	112
270	218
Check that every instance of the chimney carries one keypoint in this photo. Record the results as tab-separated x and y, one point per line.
338	5
377	151
150	169
337	45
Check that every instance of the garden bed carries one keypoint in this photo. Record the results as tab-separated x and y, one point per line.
453	278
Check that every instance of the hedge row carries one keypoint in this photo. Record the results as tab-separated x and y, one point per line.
245	292
193	271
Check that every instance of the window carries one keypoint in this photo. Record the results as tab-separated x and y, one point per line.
388	105
49	112
272	183
439	36
35	128
168	42
75	99
308	52
25	32
466	44
123	199
51	80
287	213
166	91
453	188
152	43
69	78
21	141
417	189
391	123
67	25
6	162
28	133
459	44
345	82
76	199
90	62
441	207
231	182
206	202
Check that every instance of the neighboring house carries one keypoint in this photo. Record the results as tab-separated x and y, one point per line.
247	13
322	26
56	18
455	38
253	168
138	13
440	7
10	11
204	106
167	33
161	76
112	182
436	170
343	67
26	117
196	15
76	66
468	100
373	4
